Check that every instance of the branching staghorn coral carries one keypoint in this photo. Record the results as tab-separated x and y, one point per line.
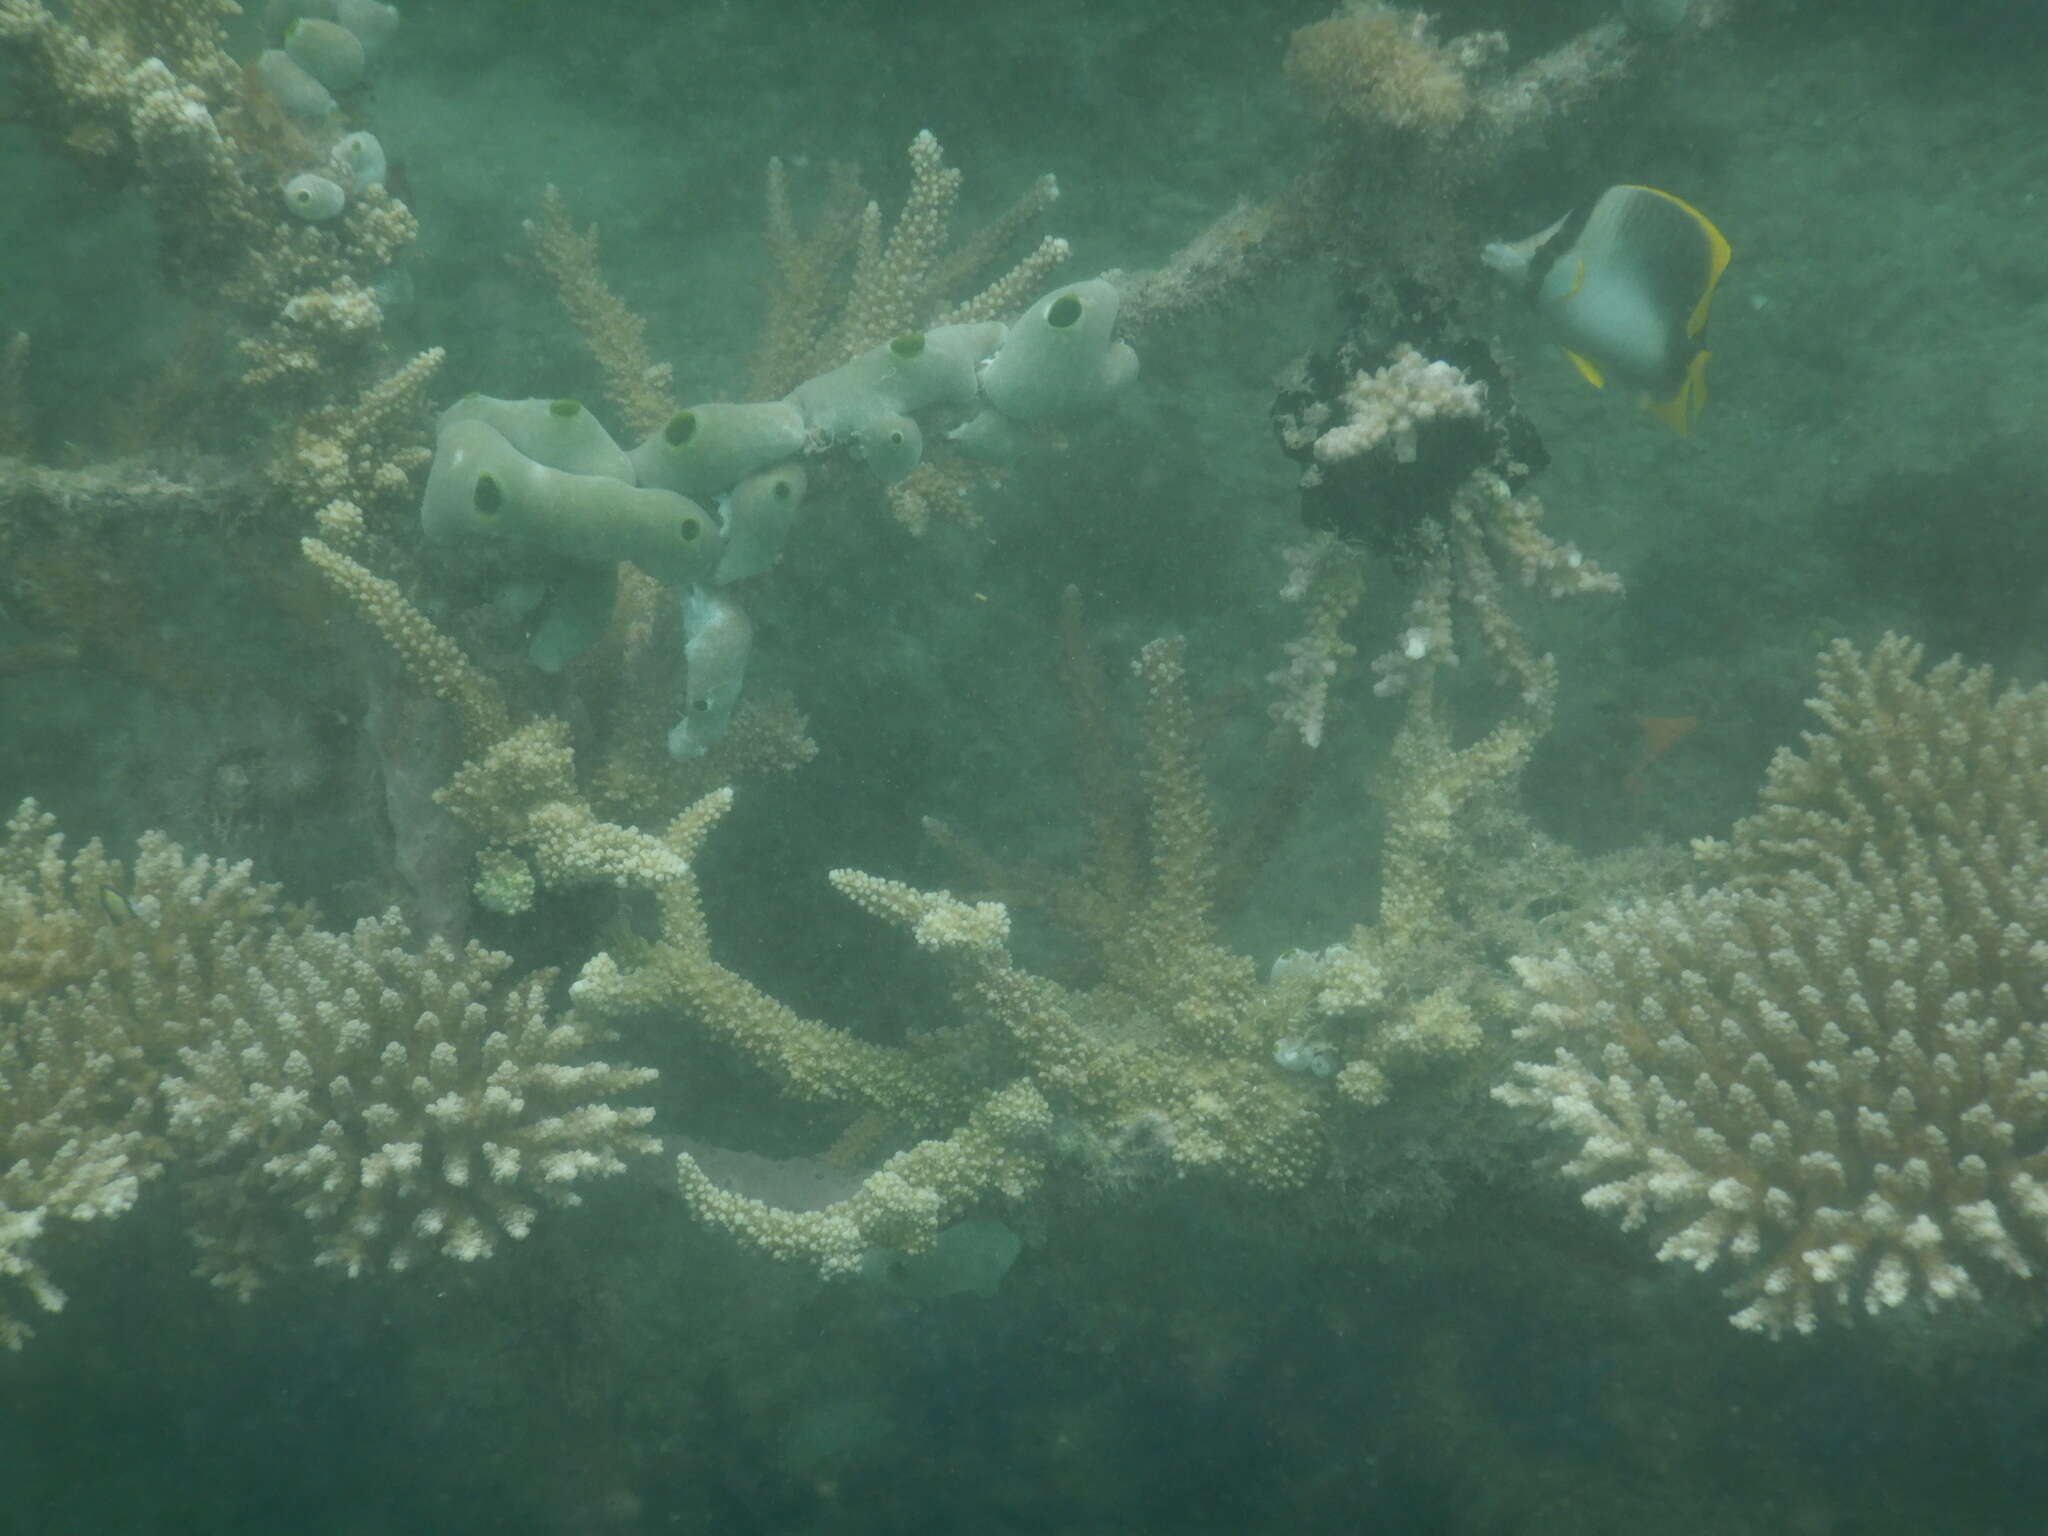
153	89
640	387
1328	579
362	1134
845	285
1461	870
842	286
1460	548
344	457
1169	1054
1417	457
515	785
300	1087
435	662
96	562
1185	1065
1825	1065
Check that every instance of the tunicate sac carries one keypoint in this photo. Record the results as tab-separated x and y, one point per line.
372	21
314	198
890	445
303	98
360	158
757	517
327	51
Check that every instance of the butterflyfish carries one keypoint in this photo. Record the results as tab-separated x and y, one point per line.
1623	285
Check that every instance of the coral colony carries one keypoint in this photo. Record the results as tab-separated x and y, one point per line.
1817	1068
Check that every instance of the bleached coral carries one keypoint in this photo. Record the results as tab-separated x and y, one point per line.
1828	1070
1388	404
1489	524
1313	661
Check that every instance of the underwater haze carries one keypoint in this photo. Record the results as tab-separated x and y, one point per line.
1079	767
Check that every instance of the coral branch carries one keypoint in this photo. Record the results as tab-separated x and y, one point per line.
433	660
615	336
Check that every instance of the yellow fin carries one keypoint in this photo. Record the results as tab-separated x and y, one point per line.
1588	369
1719	254
1683	409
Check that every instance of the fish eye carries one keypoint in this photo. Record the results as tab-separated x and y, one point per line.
487	498
690	529
784	490
1065	310
909	344
681	428
702	706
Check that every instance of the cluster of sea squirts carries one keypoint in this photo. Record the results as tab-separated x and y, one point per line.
709	498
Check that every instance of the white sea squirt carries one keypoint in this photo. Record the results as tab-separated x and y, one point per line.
327	51
359	158
304	99
314	198
717	636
